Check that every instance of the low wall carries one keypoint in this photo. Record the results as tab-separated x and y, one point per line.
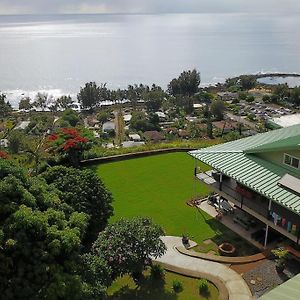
223	259
125	156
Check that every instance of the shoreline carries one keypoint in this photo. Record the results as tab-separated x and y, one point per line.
15	95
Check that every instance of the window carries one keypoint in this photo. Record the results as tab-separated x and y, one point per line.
291	161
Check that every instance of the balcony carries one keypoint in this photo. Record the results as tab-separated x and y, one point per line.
249	201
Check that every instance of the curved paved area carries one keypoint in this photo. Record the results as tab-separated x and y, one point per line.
235	284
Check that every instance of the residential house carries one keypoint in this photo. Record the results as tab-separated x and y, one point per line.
134	137
108	127
225	126
153	136
260	175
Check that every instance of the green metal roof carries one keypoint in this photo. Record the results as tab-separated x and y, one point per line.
258	140
289	290
290	143
258	174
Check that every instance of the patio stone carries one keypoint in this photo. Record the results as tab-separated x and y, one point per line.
207	242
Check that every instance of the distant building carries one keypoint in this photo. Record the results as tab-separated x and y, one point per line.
127	118
134	137
23	125
108	127
128	144
225	126
161	115
287	120
153	136
4	143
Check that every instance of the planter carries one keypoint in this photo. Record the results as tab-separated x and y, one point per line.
226	249
185	240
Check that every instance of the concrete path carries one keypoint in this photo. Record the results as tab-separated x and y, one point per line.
235	284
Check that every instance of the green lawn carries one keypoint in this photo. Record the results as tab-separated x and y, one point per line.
158	187
125	289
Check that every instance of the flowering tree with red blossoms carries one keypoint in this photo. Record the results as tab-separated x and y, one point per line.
3	154
70	143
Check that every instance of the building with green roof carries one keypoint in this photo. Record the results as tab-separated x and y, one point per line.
260	175
289	290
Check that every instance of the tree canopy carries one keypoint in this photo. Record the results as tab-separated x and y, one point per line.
91	95
187	84
39	242
5	107
127	245
84	191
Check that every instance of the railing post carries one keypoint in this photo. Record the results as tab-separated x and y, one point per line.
266	236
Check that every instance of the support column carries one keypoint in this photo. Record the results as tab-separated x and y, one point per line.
221	181
269	209
266	236
195	177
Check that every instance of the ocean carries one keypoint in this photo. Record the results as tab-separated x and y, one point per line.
59	53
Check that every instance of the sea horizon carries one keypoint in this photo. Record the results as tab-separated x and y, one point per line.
59	53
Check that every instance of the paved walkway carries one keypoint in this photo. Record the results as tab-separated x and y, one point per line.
173	260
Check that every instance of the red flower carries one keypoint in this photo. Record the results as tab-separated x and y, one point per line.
52	137
81	139
3	154
70	131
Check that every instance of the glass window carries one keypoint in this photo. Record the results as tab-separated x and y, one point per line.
287	159
295	162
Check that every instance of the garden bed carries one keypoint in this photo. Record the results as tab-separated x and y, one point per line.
125	289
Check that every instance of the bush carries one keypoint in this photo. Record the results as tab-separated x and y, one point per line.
177	286
203	286
157	272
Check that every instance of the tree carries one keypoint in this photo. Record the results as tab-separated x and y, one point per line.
128	245
84	191
187	84
282	91
71	117
39	241
132	95
70	143
217	109
103	116
5	107
154	98
40	101
138	121
65	102
15	141
247	82
89	95
295	95
25	104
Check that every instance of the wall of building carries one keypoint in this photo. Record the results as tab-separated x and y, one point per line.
277	158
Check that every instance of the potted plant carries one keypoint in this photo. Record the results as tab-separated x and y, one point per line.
281	255
185	239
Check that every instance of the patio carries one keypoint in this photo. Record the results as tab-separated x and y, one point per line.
228	221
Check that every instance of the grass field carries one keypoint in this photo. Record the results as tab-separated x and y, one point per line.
125	289
158	187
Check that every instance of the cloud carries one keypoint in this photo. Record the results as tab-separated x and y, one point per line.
146	6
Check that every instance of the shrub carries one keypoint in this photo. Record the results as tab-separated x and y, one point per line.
203	286
177	286
157	272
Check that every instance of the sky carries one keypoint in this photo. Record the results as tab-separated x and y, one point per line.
147	6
